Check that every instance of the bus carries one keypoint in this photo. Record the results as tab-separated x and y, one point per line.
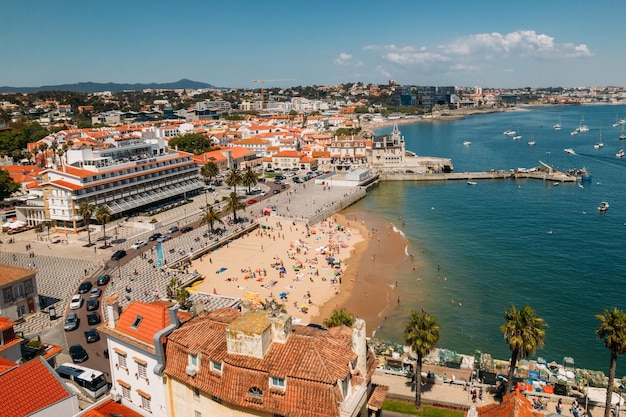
91	380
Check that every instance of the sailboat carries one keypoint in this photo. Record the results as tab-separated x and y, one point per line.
616	120
558	125
581	127
620	153
600	144
622	136
532	141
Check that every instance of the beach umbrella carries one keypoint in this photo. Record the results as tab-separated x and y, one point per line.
282	294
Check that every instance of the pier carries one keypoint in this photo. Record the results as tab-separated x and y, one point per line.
538	174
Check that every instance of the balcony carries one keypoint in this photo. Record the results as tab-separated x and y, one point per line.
348	407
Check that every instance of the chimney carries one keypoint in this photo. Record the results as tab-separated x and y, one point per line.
113	310
281	327
359	345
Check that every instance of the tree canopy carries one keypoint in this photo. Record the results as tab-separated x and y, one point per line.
7	185
195	143
612	330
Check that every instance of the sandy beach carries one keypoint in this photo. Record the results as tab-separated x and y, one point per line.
284	261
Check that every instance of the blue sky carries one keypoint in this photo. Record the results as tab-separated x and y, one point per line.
230	43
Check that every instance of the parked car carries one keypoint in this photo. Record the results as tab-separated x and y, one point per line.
276	191
71	322
164	238
172	229
139	244
92	335
84	287
252	201
95	293
118	255
92	304
186	229
283	186
103	279
93	318
76	302
154	237
78	354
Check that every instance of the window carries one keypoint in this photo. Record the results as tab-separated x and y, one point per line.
276	382
126	392
196	393
216	366
145	400
256	393
136	322
193	360
197	414
142	369
121	360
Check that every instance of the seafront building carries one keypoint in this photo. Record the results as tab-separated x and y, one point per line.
258	363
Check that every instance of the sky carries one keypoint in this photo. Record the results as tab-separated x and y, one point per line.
507	44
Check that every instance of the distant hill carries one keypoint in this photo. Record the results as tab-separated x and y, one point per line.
89	87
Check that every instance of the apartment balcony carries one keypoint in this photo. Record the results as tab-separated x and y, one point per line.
153	196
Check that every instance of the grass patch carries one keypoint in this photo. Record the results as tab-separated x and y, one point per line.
424	411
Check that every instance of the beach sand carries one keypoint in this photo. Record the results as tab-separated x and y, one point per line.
249	267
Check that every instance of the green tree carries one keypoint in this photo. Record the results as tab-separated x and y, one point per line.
613	331
103	214
421	333
249	179
233	178
195	143
209	170
210	216
233	204
524	332
7	185
340	317
85	210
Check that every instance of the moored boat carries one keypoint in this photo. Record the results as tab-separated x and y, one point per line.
603	206
569	151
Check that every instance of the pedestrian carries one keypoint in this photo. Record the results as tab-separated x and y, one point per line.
559	406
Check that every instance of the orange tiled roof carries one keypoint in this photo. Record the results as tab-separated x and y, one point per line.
310	361
154	318
23	386
9	274
6	364
111	408
513	404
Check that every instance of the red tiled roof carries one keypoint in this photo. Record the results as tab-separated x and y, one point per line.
10	274
154	318
513	404
110	408
6	364
310	362
21	387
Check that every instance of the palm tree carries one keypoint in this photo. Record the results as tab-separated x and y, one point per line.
210	217
233	204
103	214
209	170
338	318
233	178
249	178
42	149
525	332
613	330
85	210
421	333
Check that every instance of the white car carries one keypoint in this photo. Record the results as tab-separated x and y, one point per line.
76	302
139	244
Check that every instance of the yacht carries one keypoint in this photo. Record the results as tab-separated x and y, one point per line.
517	137
467	143
603	206
509	133
558	125
569	151
620	153
531	143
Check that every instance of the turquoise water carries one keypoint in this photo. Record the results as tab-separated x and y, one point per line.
519	242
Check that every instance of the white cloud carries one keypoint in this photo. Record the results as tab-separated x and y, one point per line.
415	57
391	47
343	59
526	43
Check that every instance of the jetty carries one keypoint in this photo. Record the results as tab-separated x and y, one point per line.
533	173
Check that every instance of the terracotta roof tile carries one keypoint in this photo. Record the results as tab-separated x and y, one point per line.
110	408
310	361
10	274
23	384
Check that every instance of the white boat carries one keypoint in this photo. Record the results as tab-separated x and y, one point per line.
509	132
558	125
581	127
622	136
600	144
531	143
620	153
616	120
467	143
569	151
517	137
472	183
603	206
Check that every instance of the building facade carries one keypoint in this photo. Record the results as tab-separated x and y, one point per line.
19	292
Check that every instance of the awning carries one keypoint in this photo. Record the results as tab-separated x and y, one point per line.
379	393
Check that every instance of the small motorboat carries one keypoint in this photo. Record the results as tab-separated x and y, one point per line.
472	183
620	153
603	206
569	151
531	143
467	143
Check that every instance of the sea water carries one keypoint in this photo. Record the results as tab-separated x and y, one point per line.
499	243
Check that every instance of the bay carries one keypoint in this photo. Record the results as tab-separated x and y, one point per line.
505	242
